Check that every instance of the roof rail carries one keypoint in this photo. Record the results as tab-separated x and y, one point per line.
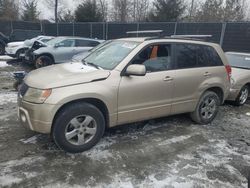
192	36
158	32
184	37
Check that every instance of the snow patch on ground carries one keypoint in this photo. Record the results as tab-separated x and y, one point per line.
31	140
9	175
101	150
9	97
3	64
9	180
175	140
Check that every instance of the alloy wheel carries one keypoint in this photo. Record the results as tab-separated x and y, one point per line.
81	130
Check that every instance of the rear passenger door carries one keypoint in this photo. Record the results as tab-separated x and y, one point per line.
190	76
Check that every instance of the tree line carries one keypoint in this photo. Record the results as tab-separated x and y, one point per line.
129	10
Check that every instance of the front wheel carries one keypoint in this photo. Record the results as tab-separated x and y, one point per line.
242	97
43	61
207	108
78	127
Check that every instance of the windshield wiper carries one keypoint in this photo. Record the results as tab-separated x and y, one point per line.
91	64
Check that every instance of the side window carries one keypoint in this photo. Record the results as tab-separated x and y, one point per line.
212	57
67	43
185	56
86	43
155	58
82	43
94	43
202	59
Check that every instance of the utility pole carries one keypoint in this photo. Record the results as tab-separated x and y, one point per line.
56	7
56	16
191	10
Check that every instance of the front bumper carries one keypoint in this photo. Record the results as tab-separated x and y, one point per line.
10	51
233	94
36	117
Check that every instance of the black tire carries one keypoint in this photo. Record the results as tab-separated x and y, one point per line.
43	61
18	54
2	49
201	111
63	123
17	85
239	100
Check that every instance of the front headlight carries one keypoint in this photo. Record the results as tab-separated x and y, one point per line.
37	95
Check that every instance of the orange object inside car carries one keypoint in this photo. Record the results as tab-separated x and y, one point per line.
154	52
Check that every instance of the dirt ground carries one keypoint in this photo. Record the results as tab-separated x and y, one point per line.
167	152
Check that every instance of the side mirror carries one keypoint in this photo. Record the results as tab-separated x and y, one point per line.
136	70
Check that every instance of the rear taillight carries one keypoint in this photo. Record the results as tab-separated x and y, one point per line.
229	71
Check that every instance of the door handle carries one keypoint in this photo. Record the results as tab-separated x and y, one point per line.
168	78
207	74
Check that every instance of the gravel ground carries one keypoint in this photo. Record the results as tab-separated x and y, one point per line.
166	152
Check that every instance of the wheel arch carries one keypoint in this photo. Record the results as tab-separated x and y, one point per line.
94	101
219	91
46	54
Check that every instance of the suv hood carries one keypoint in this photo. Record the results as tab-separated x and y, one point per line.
64	75
14	44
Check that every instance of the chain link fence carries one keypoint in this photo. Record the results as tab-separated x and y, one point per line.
233	36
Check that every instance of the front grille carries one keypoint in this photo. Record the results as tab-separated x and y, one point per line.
23	89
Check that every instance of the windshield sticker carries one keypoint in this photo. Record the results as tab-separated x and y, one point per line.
247	58
128	45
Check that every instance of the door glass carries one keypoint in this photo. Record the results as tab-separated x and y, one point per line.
86	43
212	56
185	55
155	58
67	43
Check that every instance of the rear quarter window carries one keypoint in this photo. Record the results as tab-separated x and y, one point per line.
213	58
86	43
195	56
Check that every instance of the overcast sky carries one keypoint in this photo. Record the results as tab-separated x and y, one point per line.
72	4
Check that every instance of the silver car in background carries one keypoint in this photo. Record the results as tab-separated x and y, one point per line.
17	49
62	49
240	80
79	57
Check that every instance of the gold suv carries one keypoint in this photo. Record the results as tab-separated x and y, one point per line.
127	80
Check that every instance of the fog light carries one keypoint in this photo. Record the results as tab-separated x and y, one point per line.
23	118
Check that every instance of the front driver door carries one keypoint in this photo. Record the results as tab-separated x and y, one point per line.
149	96
65	51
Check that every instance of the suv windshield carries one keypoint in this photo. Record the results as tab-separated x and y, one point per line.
239	61
111	54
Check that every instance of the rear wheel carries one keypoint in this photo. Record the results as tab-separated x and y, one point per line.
43	61
207	108
243	96
78	127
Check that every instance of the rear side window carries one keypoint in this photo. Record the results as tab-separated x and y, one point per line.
185	56
212	56
193	55
86	43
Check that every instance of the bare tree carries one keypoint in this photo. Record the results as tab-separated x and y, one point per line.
57	5
121	10
140	10
103	5
9	10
